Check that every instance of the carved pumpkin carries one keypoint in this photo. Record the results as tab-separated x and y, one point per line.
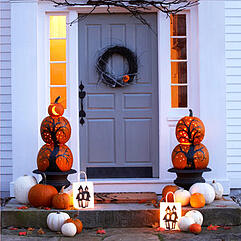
54	158
169	188
190	130
56	109
61	200
190	156
77	223
40	195
55	130
197	200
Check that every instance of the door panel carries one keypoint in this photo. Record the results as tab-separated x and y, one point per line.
121	128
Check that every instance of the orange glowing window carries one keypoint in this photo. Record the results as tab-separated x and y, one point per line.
179	61
58	59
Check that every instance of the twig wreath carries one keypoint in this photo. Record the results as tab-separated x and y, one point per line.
121	80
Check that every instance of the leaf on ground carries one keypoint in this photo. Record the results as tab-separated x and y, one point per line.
40	231
12	228
159	229
100	231
226	227
213	227
23	207
155	225
46	208
30	229
22	233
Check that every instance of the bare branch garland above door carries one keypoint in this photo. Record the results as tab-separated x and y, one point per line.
135	8
108	77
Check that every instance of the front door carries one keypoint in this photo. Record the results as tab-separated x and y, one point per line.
119	138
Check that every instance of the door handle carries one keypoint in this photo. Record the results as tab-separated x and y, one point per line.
82	95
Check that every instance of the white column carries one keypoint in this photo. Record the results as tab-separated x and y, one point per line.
212	86
24	86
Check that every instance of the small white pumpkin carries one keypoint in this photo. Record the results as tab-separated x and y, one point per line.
184	223
182	196
204	188
22	185
69	229
218	189
55	220
196	215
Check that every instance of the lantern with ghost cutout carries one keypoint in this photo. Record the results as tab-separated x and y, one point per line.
170	213
83	194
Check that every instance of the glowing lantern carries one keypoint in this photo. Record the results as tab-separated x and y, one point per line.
170	213
83	194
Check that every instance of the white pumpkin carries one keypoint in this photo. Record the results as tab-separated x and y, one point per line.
22	185
182	196
218	189
196	215
184	223
69	229
56	220
204	188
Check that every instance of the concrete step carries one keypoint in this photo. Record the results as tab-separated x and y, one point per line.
119	215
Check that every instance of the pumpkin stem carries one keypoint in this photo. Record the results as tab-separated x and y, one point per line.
62	190
190	113
56	100
213	181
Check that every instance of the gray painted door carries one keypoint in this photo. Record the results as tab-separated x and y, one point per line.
121	124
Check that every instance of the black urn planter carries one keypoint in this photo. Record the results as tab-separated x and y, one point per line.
187	177
56	179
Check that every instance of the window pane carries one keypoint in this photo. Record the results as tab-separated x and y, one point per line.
58	50
179	72
57	27
179	96
178	25
58	74
178	48
58	91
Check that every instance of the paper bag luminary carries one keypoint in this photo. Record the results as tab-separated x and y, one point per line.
170	212
83	194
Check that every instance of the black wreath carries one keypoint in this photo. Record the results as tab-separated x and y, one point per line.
122	80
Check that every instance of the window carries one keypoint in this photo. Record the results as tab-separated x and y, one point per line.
179	61
57	61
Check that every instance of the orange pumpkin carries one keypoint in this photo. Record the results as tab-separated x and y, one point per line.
55	130
166	189
54	158
190	130
190	156
197	200
61	200
195	228
56	109
77	222
40	195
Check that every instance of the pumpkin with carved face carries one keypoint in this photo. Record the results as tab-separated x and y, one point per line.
56	109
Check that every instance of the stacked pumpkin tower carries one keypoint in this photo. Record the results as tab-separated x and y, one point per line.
190	153
55	130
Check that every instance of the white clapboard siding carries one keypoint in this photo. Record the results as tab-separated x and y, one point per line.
233	90
5	98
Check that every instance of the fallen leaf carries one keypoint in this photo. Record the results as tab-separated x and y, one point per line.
12	228
100	231
46	208
22	233
23	207
142	201
226	227
155	225
213	227
159	229
40	231
30	229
